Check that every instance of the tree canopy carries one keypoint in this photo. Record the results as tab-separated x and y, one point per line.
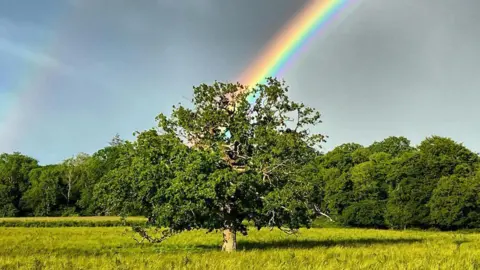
225	161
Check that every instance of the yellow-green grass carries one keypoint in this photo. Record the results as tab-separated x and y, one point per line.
55	219
70	221
333	248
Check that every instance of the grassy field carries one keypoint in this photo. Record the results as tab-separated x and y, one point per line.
70	221
54	219
113	248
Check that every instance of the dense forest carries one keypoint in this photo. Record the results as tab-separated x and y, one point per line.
388	184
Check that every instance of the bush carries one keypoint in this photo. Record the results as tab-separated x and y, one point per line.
8	210
69	212
368	213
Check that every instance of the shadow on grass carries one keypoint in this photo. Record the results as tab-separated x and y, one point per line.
242	245
308	244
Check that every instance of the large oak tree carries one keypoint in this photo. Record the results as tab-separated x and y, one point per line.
225	160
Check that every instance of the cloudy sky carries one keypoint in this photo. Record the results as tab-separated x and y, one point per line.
74	73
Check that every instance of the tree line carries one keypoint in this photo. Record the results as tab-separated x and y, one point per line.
267	169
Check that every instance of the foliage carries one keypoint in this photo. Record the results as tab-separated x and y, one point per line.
44	194
407	204
343	157
455	202
441	156
197	175
394	146
366	213
14	170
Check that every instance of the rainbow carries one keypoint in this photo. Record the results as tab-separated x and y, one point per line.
291	38
32	89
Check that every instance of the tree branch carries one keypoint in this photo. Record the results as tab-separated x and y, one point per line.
288	231
145	236
317	209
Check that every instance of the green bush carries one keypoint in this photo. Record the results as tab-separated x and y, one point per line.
368	213
8	210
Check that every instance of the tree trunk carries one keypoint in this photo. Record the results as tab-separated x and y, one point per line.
229	240
69	190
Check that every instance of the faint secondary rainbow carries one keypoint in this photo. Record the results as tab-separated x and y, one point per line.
33	88
292	37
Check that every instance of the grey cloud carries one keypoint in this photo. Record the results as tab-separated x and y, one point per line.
389	68
397	68
36	57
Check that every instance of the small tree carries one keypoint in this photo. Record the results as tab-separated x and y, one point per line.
43	196
407	203
74	175
394	146
455	203
226	161
14	181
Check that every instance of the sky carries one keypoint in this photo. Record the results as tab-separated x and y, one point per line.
75	73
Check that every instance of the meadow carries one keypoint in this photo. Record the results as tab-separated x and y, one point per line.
317	248
96	221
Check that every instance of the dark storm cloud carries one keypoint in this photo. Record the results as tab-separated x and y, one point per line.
132	60
389	68
397	68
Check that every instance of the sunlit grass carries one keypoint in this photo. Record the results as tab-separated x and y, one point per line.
112	248
71	222
54	219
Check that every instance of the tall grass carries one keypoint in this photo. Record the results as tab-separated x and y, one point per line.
71	221
333	248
